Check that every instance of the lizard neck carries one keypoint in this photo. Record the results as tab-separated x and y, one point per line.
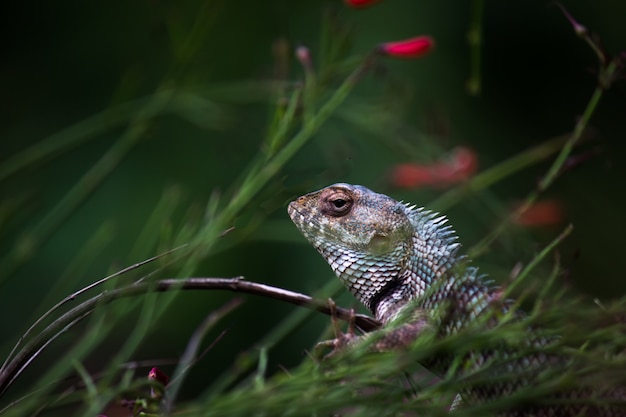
386	282
374	280
426	265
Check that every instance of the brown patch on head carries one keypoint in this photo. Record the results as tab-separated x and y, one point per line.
336	201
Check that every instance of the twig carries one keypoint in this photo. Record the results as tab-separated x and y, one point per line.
72	296
541	255
188	357
67	320
607	73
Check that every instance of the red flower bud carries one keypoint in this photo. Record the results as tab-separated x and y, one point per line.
156	374
304	56
408	48
357	4
460	165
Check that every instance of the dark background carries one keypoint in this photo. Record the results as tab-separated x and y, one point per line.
64	62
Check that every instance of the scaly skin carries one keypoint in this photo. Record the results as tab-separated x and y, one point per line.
392	256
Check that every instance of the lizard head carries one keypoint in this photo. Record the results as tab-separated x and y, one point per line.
384	251
364	236
352	217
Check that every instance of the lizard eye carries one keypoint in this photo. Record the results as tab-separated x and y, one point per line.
339	203
336	203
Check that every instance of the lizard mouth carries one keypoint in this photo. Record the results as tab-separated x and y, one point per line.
292	209
297	213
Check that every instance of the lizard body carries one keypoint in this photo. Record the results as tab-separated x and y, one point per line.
391	256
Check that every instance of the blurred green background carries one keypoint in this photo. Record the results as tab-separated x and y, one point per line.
101	169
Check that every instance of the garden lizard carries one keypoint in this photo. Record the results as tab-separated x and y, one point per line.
393	256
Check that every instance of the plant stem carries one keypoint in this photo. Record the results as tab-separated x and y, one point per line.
607	74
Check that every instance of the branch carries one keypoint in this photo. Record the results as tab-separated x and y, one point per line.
31	349
365	323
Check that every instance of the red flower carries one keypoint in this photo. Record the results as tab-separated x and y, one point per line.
459	166
357	4
542	214
410	176
408	48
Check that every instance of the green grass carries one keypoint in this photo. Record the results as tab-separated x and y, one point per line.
98	336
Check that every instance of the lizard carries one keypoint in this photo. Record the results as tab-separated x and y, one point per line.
393	256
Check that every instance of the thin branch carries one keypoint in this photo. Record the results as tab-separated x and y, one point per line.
541	255
72	296
189	356
67	320
607	73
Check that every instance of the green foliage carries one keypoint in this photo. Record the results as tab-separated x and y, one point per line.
193	157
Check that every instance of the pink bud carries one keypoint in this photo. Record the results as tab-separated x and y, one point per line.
408	48
304	56
156	374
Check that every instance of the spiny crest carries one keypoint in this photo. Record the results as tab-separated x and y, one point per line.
432	226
